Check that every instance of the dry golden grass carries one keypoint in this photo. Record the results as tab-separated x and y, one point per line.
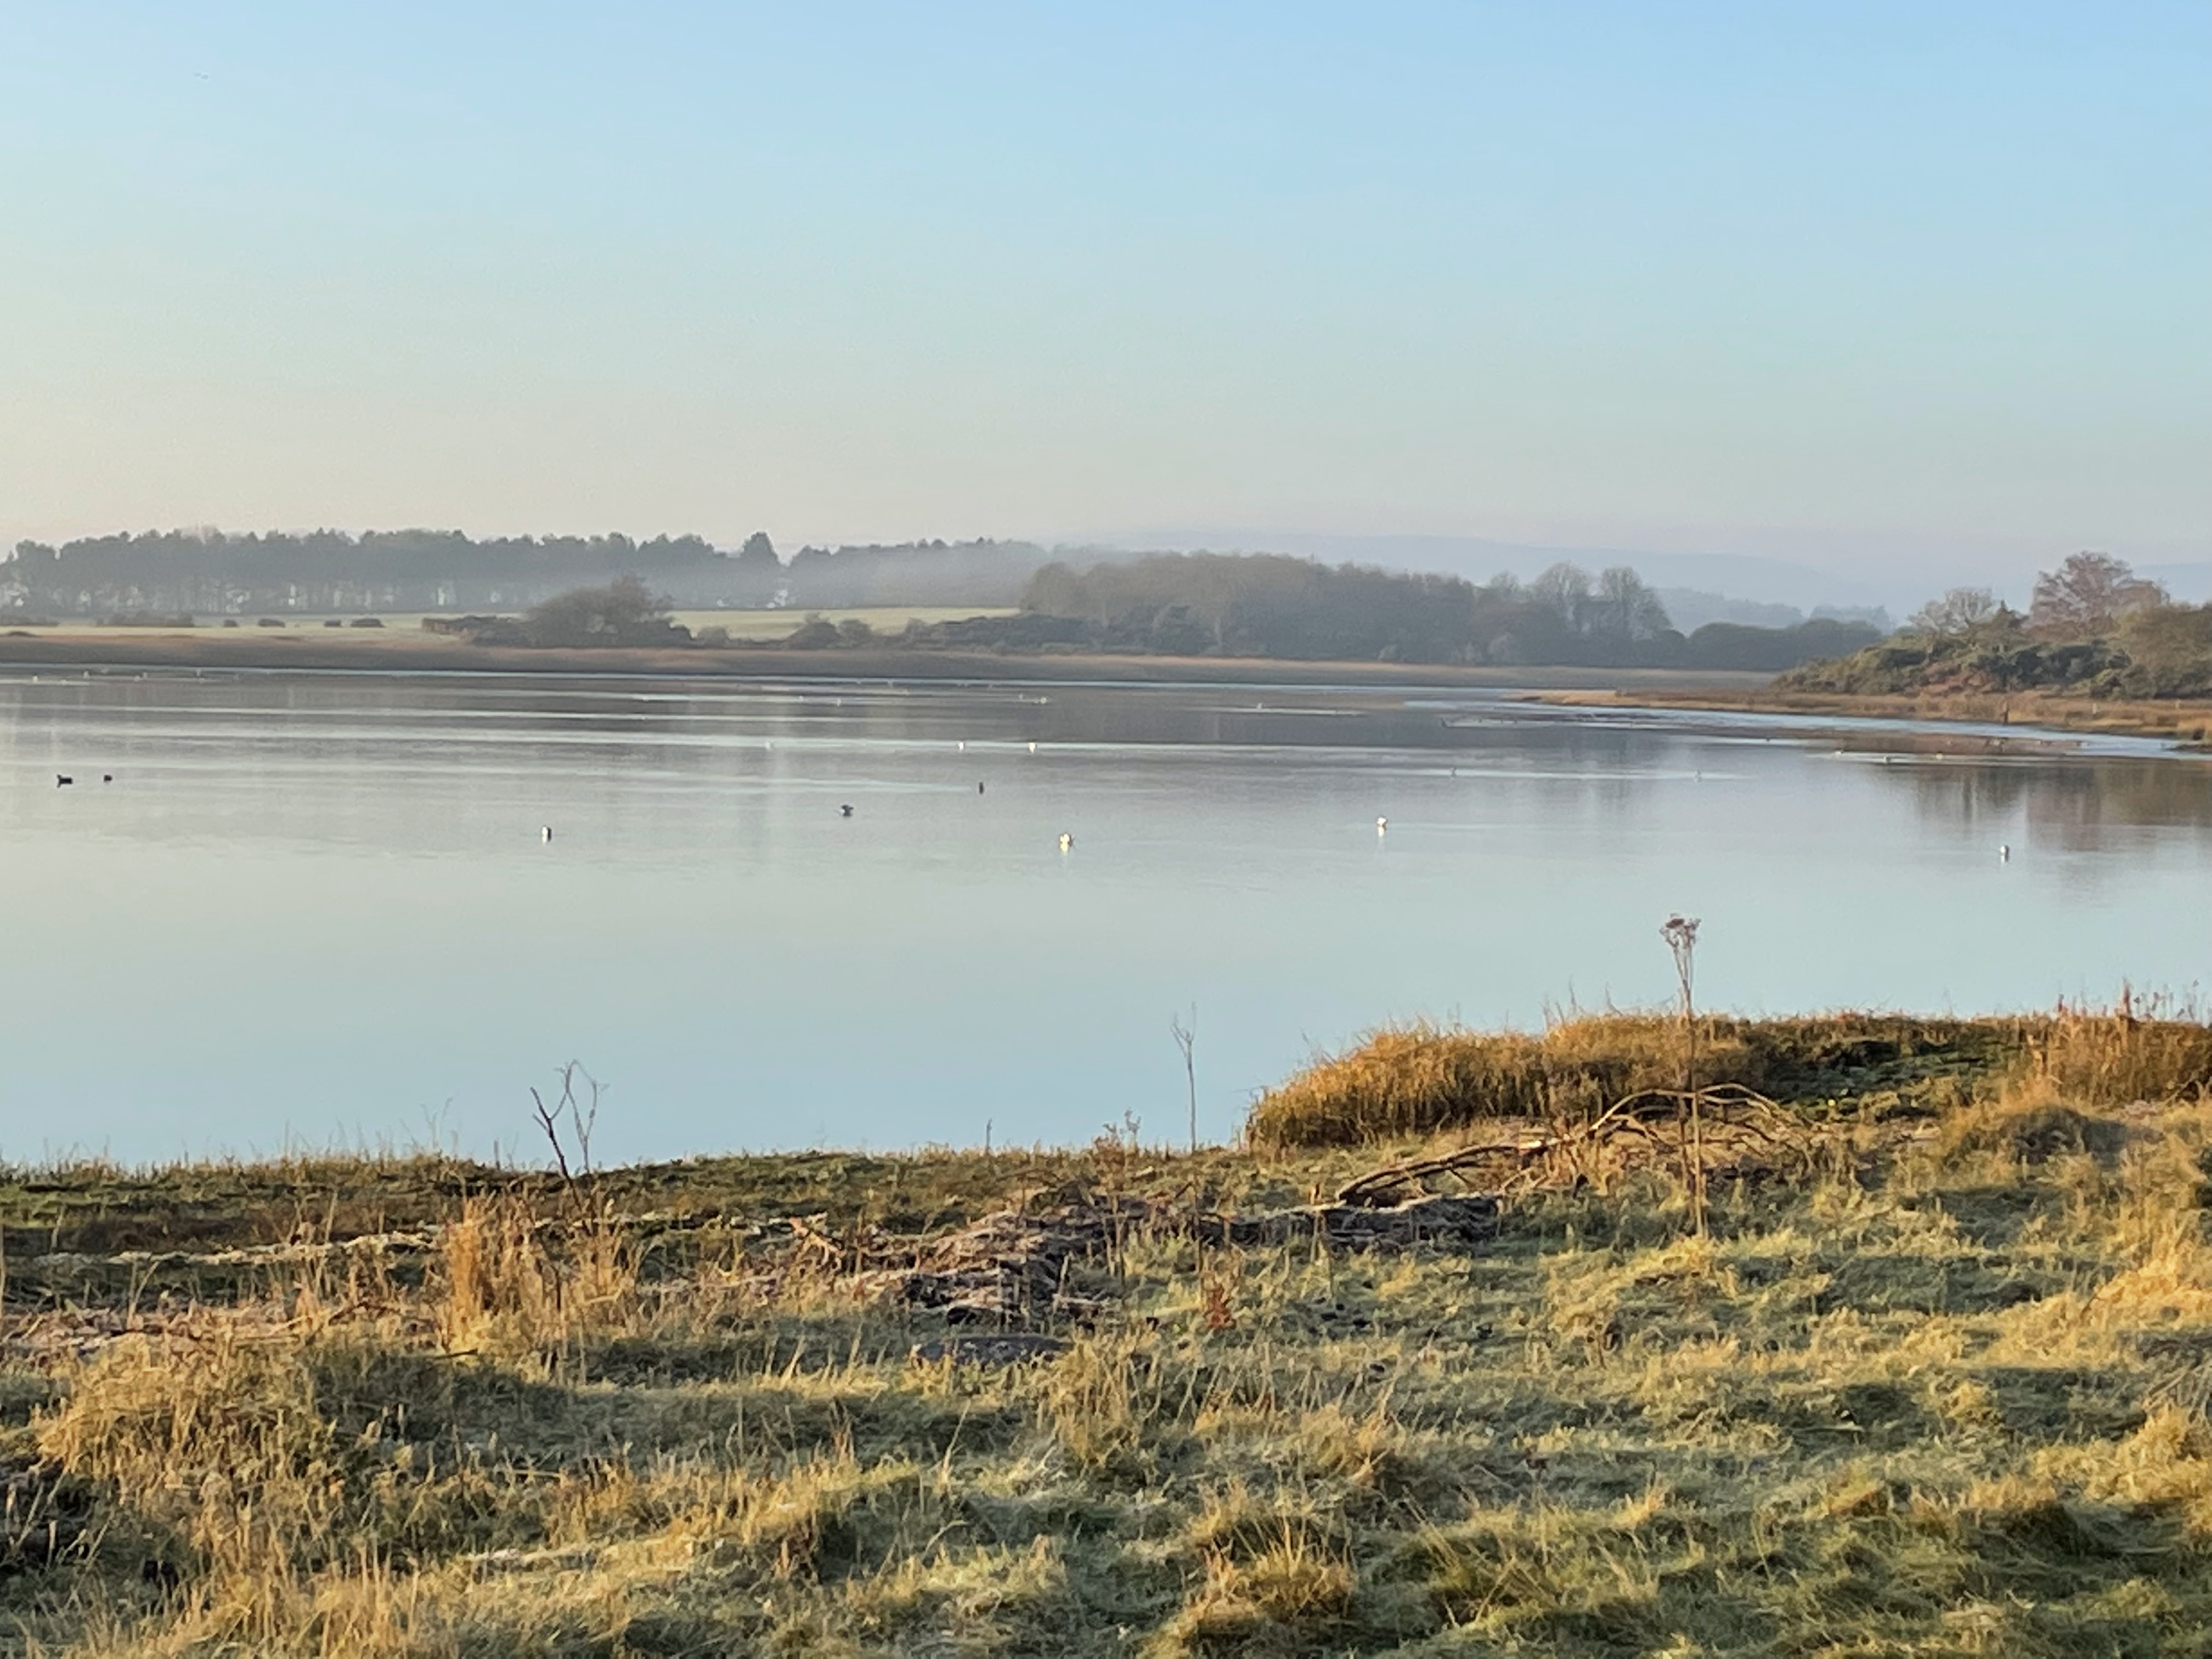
1944	1393
1408	1081
2112	1056
514	1281
1411	1081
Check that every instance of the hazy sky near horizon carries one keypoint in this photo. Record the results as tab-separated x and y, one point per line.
1881	285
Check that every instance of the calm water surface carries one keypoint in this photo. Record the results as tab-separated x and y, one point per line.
319	909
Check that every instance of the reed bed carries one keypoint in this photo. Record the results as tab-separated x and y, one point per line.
2115	1055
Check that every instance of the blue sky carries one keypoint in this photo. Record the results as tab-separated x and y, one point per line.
1896	289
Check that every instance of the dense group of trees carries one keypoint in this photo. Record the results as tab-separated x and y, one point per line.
623	612
2093	627
582	590
1268	605
214	573
211	572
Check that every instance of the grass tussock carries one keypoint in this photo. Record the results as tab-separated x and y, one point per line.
1419	1080
1406	1082
1948	1392
505	1285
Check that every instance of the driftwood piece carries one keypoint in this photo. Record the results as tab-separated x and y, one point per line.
1369	1189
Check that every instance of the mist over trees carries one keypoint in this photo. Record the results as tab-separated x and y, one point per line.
587	590
215	573
1691	608
933	573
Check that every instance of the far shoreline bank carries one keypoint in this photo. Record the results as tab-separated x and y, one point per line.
243	651
2034	716
2183	724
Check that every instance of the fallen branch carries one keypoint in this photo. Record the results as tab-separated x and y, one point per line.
1730	1109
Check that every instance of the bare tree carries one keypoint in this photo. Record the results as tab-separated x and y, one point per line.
1960	611
1565	587
1186	1039
573	1115
2088	595
1625	611
1681	934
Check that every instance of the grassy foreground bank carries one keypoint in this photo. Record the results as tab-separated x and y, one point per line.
1442	1363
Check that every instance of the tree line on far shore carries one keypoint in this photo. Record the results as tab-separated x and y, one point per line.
612	589
1269	605
1209	605
216	573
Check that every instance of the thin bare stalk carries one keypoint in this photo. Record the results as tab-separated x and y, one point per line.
1186	1038
1681	934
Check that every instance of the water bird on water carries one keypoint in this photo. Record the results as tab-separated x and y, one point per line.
844	811
107	777
62	780
979	788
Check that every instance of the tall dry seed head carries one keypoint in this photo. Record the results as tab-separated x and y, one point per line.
1681	934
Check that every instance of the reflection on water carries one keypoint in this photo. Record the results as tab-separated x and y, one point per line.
317	907
2077	808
